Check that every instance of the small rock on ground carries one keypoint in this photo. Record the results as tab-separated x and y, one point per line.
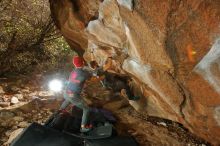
14	100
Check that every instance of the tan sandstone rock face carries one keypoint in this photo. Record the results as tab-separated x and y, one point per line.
171	50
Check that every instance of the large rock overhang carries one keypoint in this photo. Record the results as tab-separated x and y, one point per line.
169	48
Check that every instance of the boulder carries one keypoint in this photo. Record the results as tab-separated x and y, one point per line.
33	94
13	135
18	119
19	96
4	104
169	48
26	90
4	115
45	94
1	90
23	124
14	100
14	88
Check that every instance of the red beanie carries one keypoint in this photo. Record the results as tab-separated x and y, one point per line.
78	61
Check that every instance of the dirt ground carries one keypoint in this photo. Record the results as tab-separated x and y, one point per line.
37	104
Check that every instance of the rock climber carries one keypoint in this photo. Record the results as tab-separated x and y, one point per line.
73	89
